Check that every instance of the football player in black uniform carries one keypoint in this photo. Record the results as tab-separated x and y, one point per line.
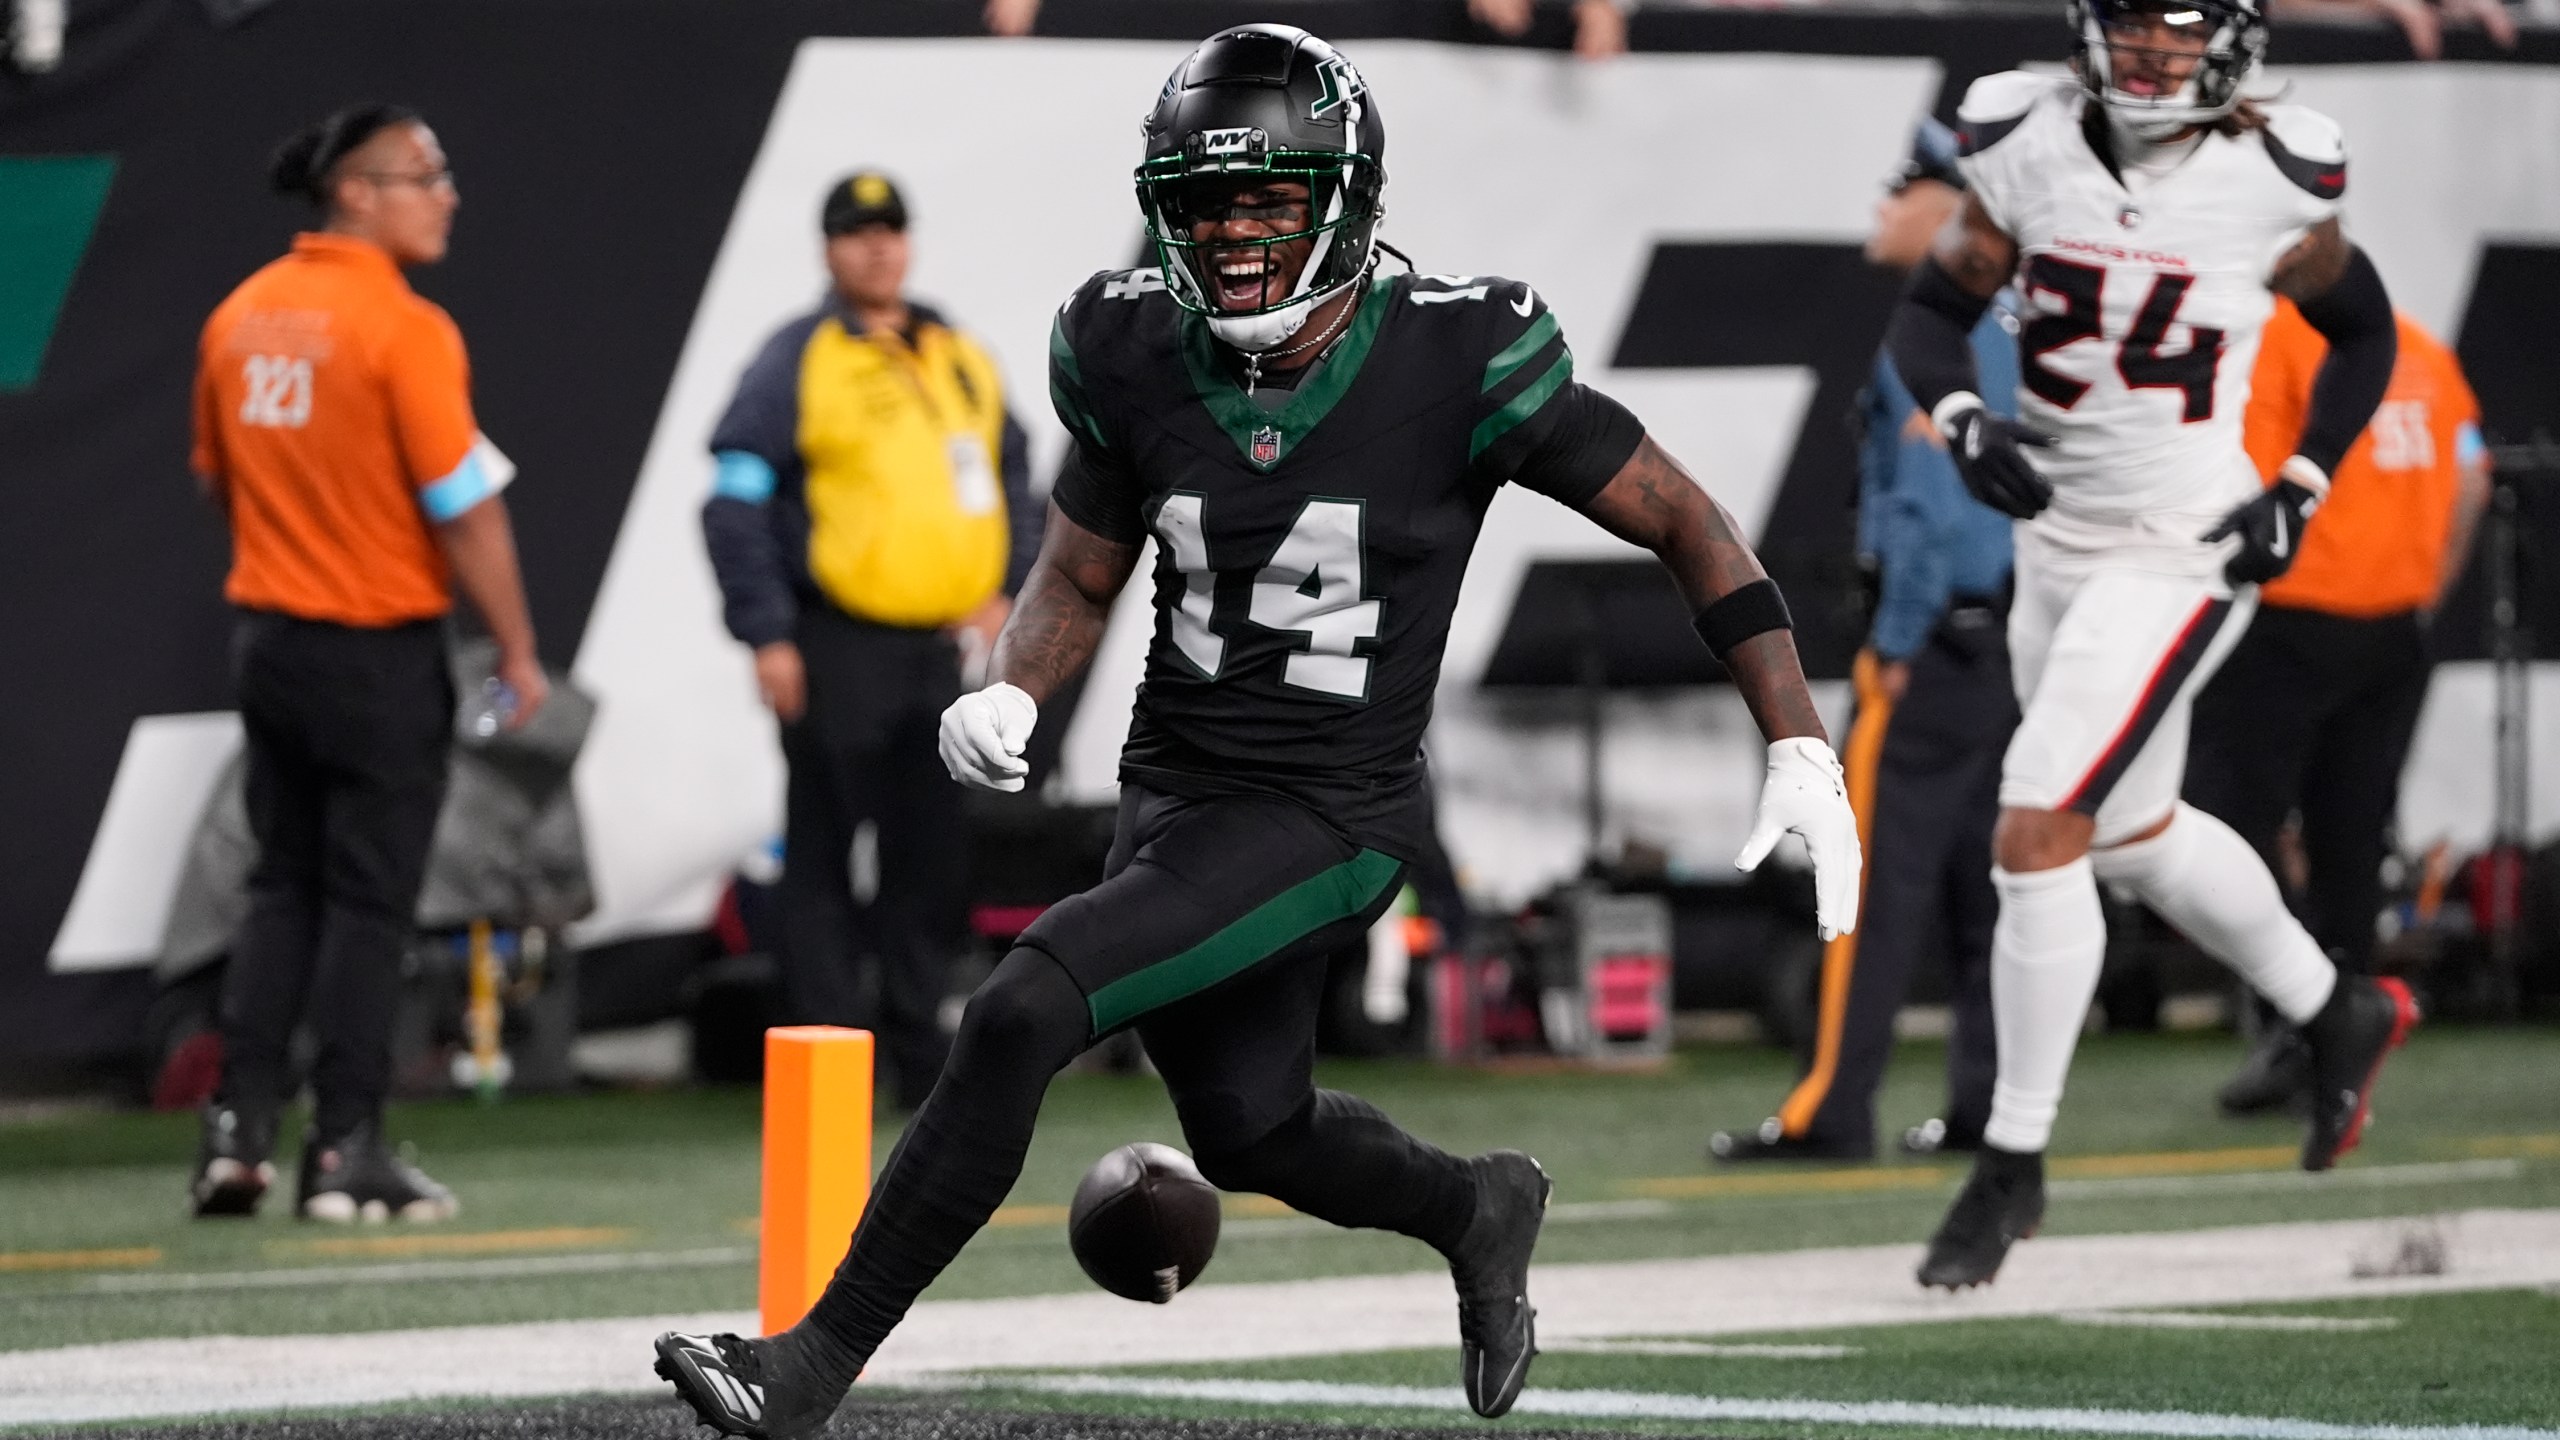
1312	446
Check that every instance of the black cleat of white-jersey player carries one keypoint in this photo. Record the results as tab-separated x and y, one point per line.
1312	447
2150	214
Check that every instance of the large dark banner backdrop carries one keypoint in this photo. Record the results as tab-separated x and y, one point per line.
603	146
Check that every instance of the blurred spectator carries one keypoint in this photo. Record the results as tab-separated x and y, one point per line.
2315	708
870	514
2423	21
1935	708
333	425
1011	17
1599	26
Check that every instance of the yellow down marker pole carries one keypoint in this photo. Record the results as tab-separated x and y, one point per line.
817	1162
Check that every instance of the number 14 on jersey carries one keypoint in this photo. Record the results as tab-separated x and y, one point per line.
1311	587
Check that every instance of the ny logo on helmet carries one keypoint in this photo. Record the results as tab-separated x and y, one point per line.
1238	141
1342	88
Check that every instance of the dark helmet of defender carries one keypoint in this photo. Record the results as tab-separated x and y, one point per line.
1270	102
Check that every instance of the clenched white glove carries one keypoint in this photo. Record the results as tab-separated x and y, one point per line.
983	734
1804	793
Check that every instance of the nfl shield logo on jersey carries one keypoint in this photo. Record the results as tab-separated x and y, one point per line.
1266	446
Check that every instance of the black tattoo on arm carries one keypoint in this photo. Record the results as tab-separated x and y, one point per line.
1975	252
2316	262
1653	502
1065	603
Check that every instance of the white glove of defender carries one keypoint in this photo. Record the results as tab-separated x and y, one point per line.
983	734
1804	793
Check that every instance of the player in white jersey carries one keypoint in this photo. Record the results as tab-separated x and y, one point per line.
2149	214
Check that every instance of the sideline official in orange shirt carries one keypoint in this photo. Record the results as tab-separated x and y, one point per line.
2315	708
333	426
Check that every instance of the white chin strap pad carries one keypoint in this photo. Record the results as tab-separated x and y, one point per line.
1265	331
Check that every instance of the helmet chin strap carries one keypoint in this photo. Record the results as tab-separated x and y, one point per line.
1254	334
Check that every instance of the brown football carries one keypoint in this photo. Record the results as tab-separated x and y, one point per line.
1144	1223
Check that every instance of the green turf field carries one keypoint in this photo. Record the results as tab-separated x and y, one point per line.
642	1204
2481	1359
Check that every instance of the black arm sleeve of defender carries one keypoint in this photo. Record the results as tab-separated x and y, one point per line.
2354	315
1930	339
1588	439
1024	516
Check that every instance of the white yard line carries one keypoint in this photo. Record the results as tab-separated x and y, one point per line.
2214	1320
1279	1227
1699	1298
1703	1349
1642	1405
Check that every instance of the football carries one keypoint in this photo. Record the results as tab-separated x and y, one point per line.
1143	1223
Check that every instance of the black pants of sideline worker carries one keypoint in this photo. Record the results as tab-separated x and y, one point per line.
2313	713
347	738
864	753
1928	887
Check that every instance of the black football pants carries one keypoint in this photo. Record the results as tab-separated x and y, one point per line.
347	737
1208	934
863	752
1928	884
2313	713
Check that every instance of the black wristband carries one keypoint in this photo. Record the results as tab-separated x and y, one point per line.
1736	616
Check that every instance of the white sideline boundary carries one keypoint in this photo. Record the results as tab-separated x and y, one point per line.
1690	1298
1646	1405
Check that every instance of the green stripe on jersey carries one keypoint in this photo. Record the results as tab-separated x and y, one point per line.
1521	351
1321	899
1241	418
1523	405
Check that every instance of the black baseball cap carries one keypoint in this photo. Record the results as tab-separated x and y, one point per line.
865	197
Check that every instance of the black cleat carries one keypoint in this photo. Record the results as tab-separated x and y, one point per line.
746	1387
2001	1204
2364	1021
1772	1142
233	1170
1497	1326
2277	1074
360	1177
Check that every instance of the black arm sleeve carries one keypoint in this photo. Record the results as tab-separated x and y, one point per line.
1098	494
1930	339
2354	315
1586	441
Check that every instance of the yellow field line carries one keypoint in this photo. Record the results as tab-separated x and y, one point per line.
1817	1182
125	1259
486	1242
1923	1177
2534	1147
2178	1162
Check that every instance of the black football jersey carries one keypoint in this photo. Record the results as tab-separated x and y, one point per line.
1310	544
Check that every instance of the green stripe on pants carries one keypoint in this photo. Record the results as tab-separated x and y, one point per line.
1321	899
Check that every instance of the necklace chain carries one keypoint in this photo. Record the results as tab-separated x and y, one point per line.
1253	359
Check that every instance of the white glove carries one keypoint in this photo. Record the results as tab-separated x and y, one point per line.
983	734
1804	793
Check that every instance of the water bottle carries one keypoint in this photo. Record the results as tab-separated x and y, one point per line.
497	706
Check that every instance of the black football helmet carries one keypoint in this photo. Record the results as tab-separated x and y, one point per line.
2236	39
1270	101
